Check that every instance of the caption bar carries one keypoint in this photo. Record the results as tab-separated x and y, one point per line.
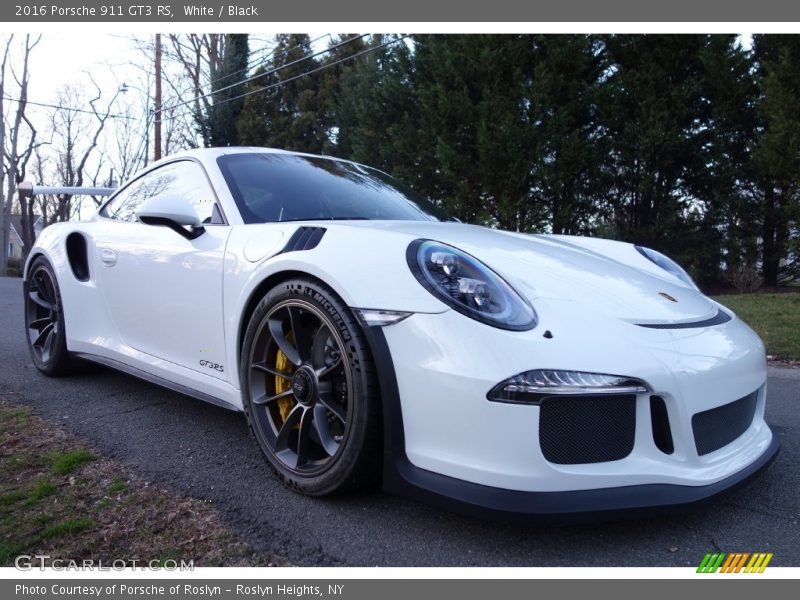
140	11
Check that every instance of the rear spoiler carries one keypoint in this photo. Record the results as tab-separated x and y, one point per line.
28	190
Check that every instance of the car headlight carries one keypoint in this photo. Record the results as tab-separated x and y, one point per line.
667	264
467	285
531	386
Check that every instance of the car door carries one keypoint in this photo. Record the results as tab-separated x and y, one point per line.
163	291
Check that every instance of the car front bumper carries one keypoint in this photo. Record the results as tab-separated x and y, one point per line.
623	502
446	441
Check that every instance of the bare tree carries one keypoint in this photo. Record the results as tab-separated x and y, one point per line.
17	155
45	202
210	65
128	146
5	224
75	139
179	130
18	168
200	55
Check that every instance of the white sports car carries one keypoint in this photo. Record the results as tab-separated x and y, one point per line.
367	336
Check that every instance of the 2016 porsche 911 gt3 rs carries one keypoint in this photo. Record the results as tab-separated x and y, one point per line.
365	334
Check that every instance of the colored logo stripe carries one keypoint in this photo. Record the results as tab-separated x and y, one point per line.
758	563
711	562
734	562
740	564
732	558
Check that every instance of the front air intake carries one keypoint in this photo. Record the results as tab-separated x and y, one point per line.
720	426
662	432
587	429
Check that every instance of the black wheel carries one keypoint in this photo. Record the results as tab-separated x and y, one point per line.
44	320
309	390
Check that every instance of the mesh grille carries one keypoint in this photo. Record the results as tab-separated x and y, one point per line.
587	429
719	426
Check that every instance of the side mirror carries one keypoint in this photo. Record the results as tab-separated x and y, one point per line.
171	211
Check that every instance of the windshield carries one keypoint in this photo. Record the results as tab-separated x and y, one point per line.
272	187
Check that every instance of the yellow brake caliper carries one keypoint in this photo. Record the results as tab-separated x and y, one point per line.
282	363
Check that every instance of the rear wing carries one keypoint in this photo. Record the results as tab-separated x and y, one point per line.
27	190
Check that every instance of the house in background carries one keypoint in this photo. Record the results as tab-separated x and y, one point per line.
15	244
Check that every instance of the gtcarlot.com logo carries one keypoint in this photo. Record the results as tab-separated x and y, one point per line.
734	562
27	562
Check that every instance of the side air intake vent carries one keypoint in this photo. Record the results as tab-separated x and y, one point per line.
77	256
305	238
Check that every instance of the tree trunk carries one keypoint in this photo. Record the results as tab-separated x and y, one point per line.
770	258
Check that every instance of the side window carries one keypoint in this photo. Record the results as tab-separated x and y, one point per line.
114	209
185	179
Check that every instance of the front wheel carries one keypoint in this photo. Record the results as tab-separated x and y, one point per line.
44	320
309	390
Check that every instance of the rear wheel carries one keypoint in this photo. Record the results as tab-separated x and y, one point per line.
44	320
309	390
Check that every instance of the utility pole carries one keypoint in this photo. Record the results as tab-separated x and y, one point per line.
157	107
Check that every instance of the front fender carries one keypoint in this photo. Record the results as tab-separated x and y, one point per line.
366	269
50	244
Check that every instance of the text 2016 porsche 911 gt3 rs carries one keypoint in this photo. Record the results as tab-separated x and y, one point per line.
366	335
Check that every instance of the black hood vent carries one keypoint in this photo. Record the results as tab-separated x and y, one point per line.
718	319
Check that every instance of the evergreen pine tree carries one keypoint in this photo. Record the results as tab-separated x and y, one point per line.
220	124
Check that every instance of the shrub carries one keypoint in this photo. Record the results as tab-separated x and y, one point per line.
745	278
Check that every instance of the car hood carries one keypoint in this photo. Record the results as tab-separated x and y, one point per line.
541	266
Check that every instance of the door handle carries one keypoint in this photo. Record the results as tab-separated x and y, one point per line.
108	257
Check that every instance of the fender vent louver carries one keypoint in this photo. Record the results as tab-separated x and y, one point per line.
305	238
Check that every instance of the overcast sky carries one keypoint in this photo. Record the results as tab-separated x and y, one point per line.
62	59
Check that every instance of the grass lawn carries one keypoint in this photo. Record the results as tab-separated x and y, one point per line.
775	317
59	497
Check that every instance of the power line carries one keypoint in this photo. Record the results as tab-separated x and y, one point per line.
304	74
261	61
270	53
271	72
61	107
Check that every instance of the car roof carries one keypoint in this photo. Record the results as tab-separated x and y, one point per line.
213	153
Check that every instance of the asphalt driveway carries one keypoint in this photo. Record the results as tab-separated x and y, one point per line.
204	451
